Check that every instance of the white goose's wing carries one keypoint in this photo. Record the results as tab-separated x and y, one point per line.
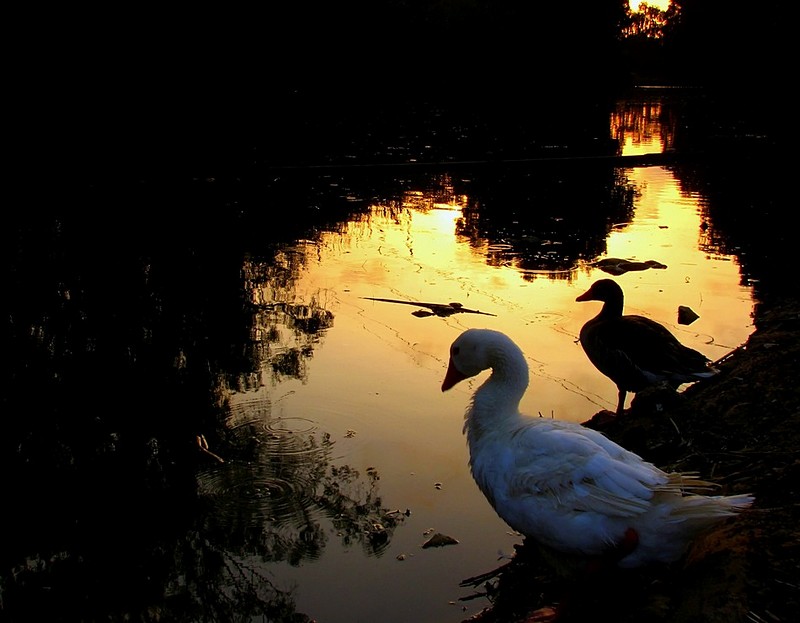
579	469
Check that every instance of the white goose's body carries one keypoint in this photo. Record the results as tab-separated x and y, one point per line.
565	486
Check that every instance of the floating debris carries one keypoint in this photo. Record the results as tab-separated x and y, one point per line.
203	445
439	540
617	266
686	315
443	310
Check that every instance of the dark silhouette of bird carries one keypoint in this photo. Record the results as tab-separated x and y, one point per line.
633	351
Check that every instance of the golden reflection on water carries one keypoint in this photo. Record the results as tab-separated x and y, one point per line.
415	254
371	376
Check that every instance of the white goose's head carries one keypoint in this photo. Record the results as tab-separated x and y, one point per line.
476	350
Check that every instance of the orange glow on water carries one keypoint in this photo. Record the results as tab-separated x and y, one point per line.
373	383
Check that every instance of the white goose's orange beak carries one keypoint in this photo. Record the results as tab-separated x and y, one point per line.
452	377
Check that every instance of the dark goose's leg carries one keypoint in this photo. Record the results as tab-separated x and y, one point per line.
621	402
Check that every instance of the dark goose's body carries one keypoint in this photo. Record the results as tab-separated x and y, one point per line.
633	351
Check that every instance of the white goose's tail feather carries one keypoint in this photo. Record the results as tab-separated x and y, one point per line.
682	519
697	506
712	507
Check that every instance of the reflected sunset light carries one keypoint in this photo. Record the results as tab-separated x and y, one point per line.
372	380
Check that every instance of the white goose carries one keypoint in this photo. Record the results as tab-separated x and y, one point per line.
569	488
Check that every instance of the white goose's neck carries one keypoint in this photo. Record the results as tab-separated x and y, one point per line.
496	402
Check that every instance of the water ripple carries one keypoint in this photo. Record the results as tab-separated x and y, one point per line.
250	493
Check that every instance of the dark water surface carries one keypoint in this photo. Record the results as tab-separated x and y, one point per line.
208	416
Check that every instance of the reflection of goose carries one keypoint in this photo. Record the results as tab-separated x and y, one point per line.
633	351
566	487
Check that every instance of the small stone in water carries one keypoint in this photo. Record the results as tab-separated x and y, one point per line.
686	315
439	540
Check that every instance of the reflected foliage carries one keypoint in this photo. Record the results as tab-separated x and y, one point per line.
645	120
543	218
276	488
356	512
120	347
149	253
546	221
746	217
736	164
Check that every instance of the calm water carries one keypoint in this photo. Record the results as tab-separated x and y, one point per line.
334	455
371	387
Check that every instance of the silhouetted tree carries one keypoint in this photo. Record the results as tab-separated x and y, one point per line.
717	43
